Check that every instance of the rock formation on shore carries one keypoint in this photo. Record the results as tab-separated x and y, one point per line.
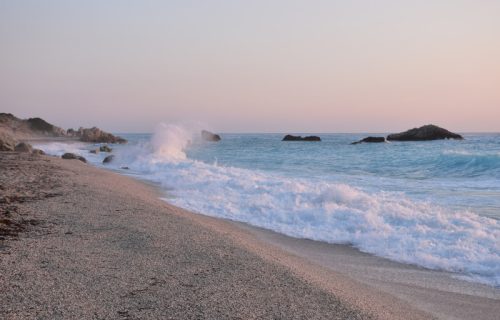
370	140
209	136
95	135
24	147
427	132
70	156
28	128
290	137
19	129
7	142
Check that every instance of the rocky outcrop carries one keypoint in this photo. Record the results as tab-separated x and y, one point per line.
38	151
209	136
73	156
105	149
108	159
424	133
290	137
7	142
95	135
43	127
24	147
370	140
29	128
33	128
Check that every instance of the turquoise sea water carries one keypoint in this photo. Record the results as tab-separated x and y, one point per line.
457	174
435	204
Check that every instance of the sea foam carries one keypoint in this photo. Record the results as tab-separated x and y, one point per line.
387	224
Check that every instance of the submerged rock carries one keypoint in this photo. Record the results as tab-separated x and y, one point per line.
290	137
370	140
209	136
95	151
105	149
424	133
24	147
70	156
108	159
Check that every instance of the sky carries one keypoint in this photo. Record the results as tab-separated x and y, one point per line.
253	66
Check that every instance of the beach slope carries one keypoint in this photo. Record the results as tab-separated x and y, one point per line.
78	242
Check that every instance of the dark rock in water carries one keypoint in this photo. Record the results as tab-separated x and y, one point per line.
108	159
95	151
124	168
7	142
290	137
95	135
428	132
38	151
209	136
312	138
73	156
24	147
105	149
370	140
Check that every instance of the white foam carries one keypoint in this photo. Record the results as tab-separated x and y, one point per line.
385	224
59	148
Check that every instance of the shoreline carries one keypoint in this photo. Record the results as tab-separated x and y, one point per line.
304	259
438	293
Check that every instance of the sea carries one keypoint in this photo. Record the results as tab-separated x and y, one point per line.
435	204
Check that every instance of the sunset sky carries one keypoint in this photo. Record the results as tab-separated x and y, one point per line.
253	66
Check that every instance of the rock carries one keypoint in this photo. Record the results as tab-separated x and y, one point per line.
38	151
105	149
96	151
71	133
73	156
209	136
32	127
124	168
370	140
428	132
96	135
7	142
108	159
42	126
23	147
290	137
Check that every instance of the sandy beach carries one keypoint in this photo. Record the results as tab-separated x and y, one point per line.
85	243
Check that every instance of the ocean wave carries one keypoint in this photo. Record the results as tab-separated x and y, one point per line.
387	224
466	163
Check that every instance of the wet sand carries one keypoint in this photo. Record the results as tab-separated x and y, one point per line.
442	294
81	242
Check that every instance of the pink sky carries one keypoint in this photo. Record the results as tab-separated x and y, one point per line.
289	66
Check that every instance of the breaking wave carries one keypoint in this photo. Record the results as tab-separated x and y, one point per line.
387	224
